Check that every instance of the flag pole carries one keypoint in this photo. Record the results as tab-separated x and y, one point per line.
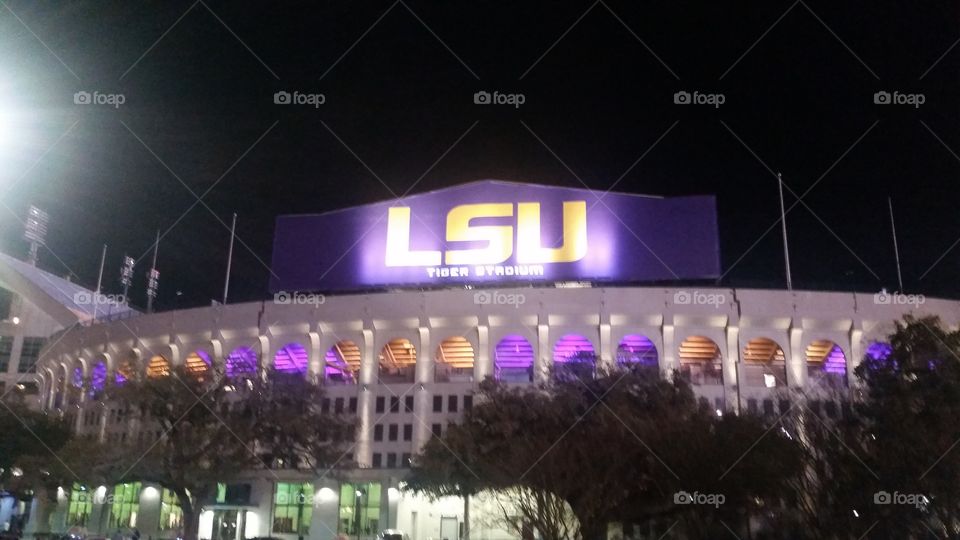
896	249
226	282
96	296
783	226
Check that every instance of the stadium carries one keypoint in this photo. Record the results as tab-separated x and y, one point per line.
400	308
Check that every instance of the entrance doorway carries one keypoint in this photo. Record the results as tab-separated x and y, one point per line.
449	528
228	524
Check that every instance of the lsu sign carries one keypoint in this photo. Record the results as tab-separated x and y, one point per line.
493	231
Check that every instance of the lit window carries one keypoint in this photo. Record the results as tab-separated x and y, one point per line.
292	508
171	516
126	505
80	507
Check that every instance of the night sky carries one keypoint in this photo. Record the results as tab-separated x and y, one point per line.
599	79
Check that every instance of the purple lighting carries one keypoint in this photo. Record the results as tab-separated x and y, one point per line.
78	377
573	348
513	359
635	349
98	377
240	361
879	350
835	362
292	358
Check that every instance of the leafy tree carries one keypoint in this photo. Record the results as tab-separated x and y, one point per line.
617	447
212	429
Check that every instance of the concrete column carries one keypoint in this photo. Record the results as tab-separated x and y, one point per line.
855	354
365	400
731	363
606	347
796	359
544	361
484	360
668	356
425	355
326	510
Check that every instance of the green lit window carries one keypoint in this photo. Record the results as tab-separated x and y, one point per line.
359	507
125	505
80	506
171	516
221	493
292	508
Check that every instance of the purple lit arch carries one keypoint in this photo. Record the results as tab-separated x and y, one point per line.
637	350
241	361
513	359
291	358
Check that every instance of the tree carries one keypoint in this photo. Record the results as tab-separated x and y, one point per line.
621	446
212	429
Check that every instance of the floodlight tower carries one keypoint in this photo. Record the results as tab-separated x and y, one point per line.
35	232
126	277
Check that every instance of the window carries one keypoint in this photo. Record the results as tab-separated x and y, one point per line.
408	404
436	429
381	402
6	351
352	405
437	403
405	460
377	460
378	432
407	432
292	508
338	405
6	300
171	516
392	432
325	405
126	505
81	504
391	461
467	403
359	509
30	353
394	404
452	403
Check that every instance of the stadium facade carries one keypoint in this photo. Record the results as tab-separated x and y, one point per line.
410	304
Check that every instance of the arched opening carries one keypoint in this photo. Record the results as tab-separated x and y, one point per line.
158	367
76	383
241	361
98	379
291	358
398	361
125	369
764	364
573	355
878	350
59	381
342	363
199	364
701	363
513	359
826	364
637	351
454	362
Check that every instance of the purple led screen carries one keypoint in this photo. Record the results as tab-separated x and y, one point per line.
622	238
